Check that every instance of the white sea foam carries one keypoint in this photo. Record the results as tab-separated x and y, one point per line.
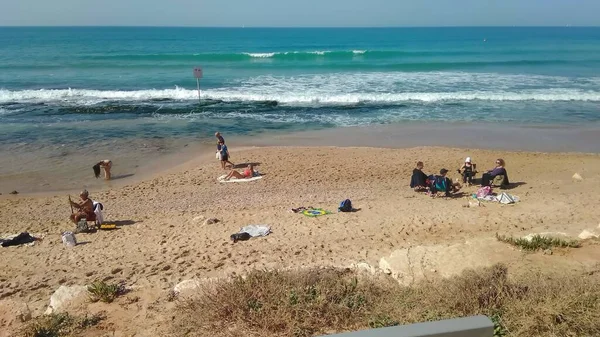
346	88
87	97
359	52
260	55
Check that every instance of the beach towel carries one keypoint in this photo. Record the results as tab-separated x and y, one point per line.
256	230
315	212
221	179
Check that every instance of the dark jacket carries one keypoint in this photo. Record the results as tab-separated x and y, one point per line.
418	179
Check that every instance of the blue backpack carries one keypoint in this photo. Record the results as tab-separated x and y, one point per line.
345	206
438	184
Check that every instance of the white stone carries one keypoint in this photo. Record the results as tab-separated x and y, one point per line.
63	296
363	266
198	218
186	285
577	177
587	235
412	264
385	266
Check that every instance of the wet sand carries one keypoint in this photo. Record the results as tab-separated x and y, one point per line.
68	167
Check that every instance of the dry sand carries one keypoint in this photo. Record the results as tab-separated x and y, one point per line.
163	239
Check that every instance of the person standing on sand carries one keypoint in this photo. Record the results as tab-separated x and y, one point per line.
105	164
220	145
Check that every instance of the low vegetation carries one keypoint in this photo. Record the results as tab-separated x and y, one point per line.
59	325
104	292
538	242
325	301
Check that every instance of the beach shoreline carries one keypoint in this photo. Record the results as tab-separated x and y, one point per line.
133	164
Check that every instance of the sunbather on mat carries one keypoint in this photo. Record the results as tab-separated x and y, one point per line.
247	173
85	208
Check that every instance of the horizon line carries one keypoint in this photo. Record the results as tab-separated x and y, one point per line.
296	27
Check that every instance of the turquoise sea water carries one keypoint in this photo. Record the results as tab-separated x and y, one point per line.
63	84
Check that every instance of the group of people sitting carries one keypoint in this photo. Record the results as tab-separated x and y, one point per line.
433	184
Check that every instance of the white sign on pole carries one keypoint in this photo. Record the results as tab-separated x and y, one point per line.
198	72
198	76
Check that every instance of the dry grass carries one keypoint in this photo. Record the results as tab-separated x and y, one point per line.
316	302
538	242
104	292
59	325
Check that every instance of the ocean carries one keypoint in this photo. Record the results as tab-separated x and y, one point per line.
98	90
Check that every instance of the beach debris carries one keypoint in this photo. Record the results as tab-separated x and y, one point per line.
63	296
211	221
14	192
240	237
588	235
474	203
577	177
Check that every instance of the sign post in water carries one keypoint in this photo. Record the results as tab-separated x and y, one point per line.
198	76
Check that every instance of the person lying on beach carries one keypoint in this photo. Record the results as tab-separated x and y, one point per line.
441	183
224	154
247	173
105	165
418	180
85	208
499	170
468	171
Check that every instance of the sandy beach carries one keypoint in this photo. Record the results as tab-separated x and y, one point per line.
162	238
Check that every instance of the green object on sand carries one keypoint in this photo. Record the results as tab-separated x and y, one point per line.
315	212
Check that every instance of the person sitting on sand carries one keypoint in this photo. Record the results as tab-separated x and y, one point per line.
105	165
418	180
85	209
248	173
468	171
499	170
441	183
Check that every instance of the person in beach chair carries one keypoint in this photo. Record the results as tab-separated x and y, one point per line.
496	176
419	180
468	171
85	208
105	165
247	173
441	183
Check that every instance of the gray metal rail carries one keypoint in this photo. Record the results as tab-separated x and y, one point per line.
475	326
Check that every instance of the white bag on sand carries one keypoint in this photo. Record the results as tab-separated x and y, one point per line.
69	239
218	155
